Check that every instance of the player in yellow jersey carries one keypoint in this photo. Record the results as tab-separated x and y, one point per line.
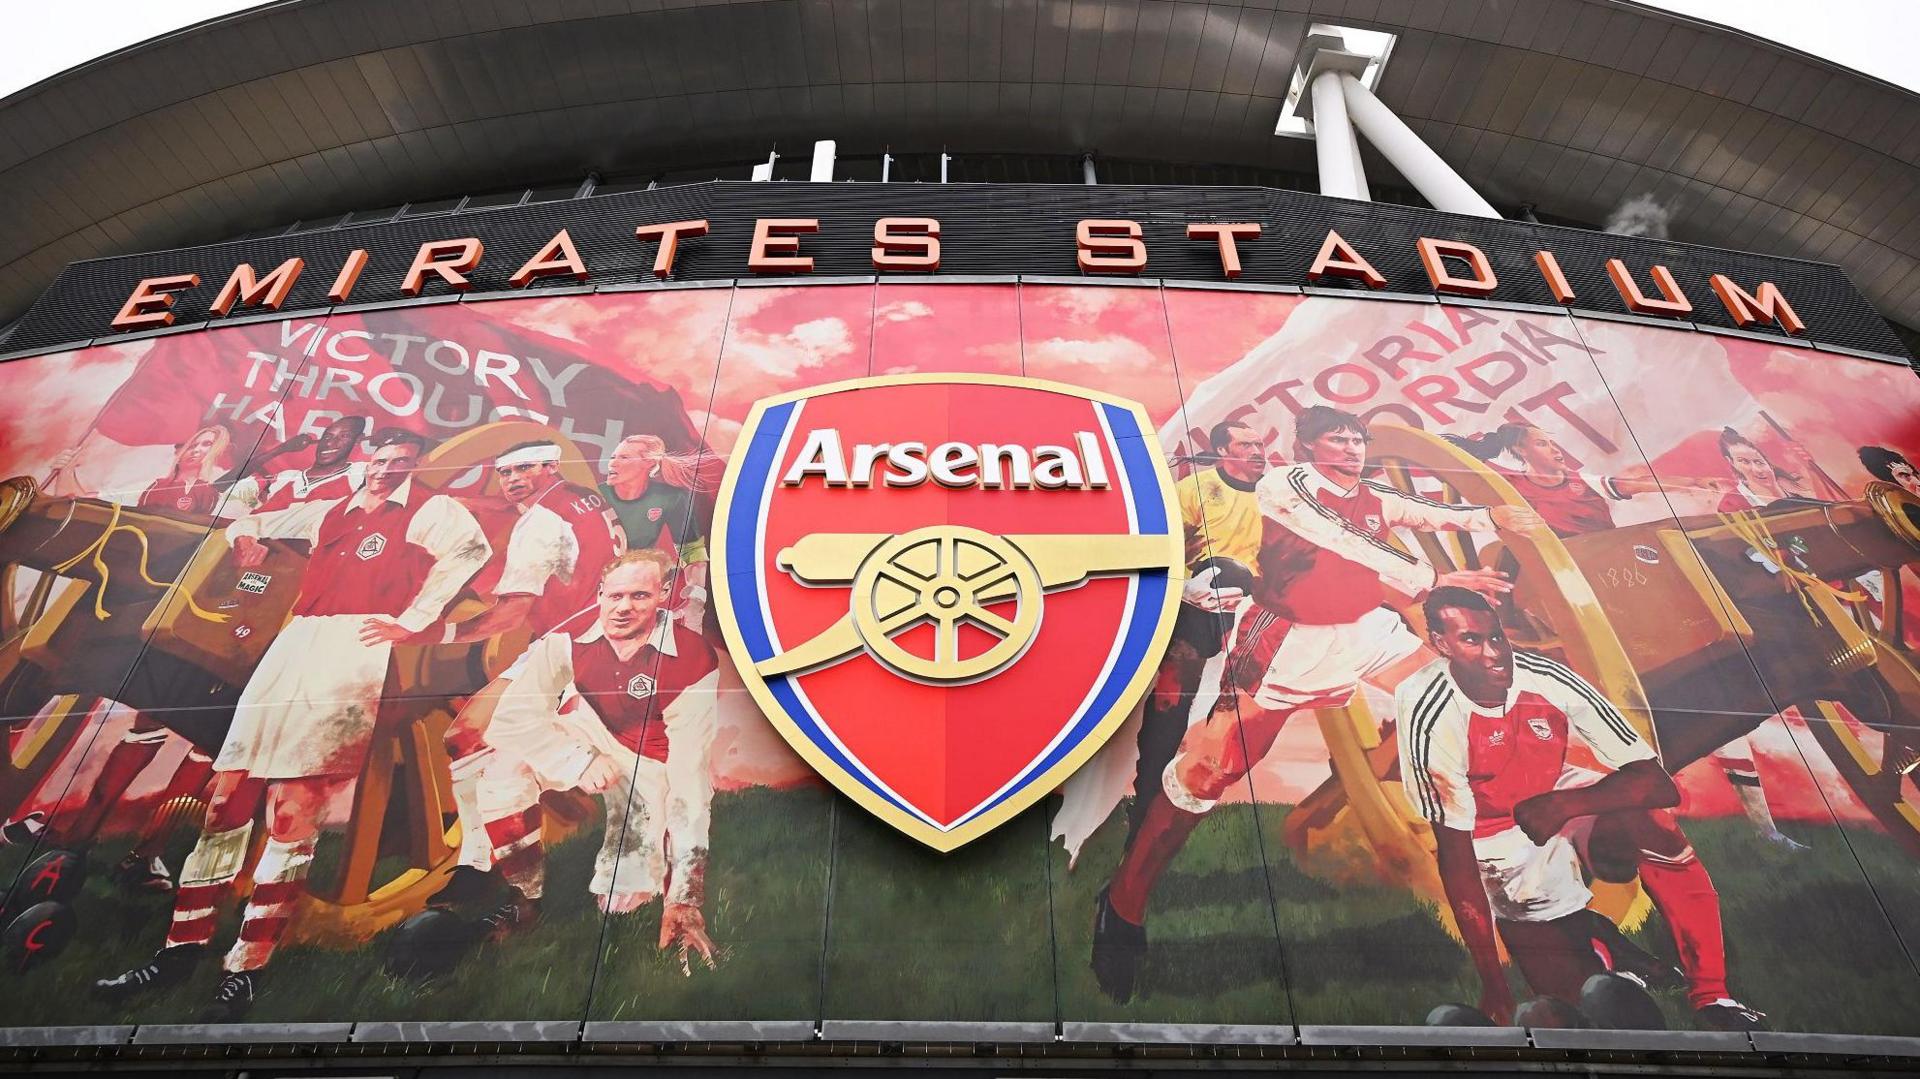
1223	527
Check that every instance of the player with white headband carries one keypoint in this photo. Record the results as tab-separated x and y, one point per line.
564	533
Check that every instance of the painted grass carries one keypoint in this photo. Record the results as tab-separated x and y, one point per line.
821	911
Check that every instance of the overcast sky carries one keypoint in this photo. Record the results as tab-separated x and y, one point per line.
1874	36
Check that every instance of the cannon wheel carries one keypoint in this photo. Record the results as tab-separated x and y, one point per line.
1868	730
1553	611
1868	734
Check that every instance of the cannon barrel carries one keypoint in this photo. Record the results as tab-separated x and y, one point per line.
1834	541
59	534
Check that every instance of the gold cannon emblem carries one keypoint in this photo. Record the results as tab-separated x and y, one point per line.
950	576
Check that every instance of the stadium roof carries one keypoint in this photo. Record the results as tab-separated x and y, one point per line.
314	106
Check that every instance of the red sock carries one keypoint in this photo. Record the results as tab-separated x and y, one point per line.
1164	829
517	853
190	778
205	879
278	881
1683	893
124	763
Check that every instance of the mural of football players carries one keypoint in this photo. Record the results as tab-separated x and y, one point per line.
331	475
1573	503
191	485
333	472
385	562
1570	501
1484	737
1320	623
652	492
1890	466
561	531
1759	484
622	708
1221	519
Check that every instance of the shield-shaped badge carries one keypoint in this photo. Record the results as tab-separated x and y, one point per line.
946	591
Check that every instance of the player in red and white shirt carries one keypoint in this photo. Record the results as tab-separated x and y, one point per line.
384	564
331	476
1570	501
1486	737
1321	618
623	708
333	473
563	534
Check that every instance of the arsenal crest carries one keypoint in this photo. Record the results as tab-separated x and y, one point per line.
946	591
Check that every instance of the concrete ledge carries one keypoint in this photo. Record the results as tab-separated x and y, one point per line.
1776	337
24	1037
916	1030
533	1030
45	350
1361	292
1691	1041
1228	286
239	1033
533	290
255	315
1872	1045
664	284
1884	357
700	1030
779	279
1675	323
411	301
142	335
1117	280
1462	1036
949	279
1180	1033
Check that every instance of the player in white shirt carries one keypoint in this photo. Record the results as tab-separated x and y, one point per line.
621	707
1494	746
1323	619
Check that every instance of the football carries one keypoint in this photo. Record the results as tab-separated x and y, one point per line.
1549	1012
428	944
55	876
1618	1004
1458	1015
36	935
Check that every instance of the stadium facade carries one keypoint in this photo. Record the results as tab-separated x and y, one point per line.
1015	536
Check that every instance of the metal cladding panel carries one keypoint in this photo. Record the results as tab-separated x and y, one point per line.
985	229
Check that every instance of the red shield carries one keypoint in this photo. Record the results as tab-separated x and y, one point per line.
946	591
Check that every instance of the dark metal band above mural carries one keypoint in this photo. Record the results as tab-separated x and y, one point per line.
985	229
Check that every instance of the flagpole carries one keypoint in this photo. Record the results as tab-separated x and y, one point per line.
1833	489
93	425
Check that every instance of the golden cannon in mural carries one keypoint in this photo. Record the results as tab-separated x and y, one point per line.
100	601
1697	629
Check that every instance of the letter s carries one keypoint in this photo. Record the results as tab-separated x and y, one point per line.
904	465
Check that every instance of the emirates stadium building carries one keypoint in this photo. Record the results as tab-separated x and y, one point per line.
1014	536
